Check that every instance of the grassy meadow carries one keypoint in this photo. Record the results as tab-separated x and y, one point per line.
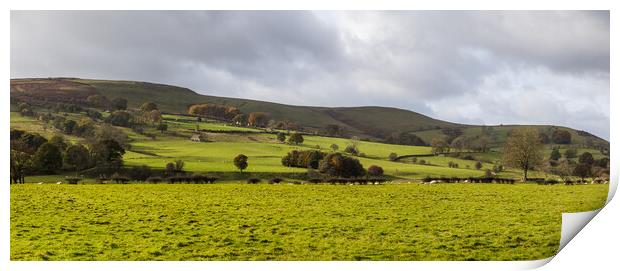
292	222
230	220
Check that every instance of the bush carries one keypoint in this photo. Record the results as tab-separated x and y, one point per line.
478	165
315	181
393	156
154	180
140	173
73	180
203	179
281	137
295	138
570	153
253	181
119	179
275	181
337	165
375	171
303	159
352	149
120	118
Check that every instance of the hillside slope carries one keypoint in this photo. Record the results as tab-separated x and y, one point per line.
367	121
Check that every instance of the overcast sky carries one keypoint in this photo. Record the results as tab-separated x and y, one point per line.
468	67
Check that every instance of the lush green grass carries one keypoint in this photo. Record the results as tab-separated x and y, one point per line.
292	222
265	156
183	122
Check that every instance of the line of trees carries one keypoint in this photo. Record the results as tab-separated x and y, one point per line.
214	111
32	153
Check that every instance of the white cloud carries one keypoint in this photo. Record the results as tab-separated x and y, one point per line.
477	67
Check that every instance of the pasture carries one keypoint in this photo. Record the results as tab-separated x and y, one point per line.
292	222
265	156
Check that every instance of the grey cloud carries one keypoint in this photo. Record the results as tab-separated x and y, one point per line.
482	65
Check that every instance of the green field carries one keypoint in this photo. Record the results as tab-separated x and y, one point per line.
265	156
293	222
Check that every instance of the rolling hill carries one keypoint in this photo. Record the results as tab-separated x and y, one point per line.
371	122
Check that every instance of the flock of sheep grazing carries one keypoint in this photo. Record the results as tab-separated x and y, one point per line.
428	180
436	180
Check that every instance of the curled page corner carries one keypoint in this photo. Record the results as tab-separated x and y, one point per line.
572	223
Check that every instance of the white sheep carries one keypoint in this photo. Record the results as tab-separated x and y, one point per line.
40	183
59	183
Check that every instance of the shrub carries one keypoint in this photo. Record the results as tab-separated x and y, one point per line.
478	165
73	180
140	173
154	179
555	154
334	147
352	149
335	164
296	138
570	153
203	179
375	171
315	181
120	118
281	137
393	156
119	179
253	181
275	181
303	159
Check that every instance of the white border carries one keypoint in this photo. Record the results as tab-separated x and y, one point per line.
567	262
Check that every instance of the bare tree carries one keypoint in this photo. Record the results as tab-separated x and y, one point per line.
523	150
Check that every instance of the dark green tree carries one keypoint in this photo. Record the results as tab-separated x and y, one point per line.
21	164
48	158
296	138
241	162
555	155
281	137
162	127
76	157
338	165
375	171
